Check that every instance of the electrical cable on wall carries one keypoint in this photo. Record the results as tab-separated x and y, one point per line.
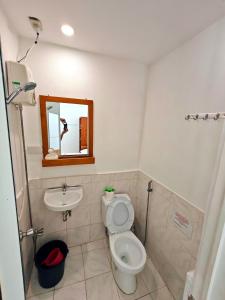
28	50
37	27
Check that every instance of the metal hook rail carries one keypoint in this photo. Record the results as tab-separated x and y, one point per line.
205	116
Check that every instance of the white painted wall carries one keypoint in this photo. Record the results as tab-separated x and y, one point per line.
177	153
118	90
10	45
9	39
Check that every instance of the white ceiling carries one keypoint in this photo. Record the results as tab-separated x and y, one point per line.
142	30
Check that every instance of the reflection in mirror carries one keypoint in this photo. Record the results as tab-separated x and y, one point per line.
67	131
67	128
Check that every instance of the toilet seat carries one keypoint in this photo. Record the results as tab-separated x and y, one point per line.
120	214
127	251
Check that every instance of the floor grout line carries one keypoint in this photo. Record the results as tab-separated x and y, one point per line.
98	275
85	284
69	284
144	296
109	259
83	266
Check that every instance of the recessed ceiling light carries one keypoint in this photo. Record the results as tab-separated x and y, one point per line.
67	30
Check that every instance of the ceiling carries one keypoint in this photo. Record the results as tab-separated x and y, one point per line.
142	30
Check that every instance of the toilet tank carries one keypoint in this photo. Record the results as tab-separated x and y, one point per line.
105	203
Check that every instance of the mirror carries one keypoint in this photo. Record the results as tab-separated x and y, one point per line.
67	129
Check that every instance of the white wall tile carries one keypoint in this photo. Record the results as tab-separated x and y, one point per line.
78	236
96	214
80	217
173	253
53	182
97	232
47	237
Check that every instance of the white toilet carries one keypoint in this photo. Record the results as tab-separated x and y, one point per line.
128	253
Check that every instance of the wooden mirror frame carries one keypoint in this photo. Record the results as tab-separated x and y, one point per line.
64	160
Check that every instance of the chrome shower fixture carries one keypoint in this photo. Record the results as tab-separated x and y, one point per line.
27	87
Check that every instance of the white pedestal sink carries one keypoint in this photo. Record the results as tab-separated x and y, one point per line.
63	199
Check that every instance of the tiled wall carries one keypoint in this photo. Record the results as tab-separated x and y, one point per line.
85	224
172	252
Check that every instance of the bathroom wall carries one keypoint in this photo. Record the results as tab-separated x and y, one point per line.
172	249
118	89
9	44
9	39
177	153
85	224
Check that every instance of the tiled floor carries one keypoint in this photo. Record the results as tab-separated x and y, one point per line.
88	276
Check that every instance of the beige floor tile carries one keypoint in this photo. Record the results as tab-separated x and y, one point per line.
151	277
147	297
34	286
96	262
94	245
102	287
75	250
74	271
48	296
162	294
140	292
72	292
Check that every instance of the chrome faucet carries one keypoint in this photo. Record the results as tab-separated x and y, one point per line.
33	232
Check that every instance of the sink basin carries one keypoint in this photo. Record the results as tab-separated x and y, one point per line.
59	200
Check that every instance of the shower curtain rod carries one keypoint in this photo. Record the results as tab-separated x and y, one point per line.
205	116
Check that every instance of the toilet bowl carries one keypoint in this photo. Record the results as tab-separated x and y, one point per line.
128	258
128	253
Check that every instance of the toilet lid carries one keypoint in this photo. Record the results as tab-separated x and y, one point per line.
120	214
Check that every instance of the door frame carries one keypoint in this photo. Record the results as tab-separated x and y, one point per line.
11	271
212	235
